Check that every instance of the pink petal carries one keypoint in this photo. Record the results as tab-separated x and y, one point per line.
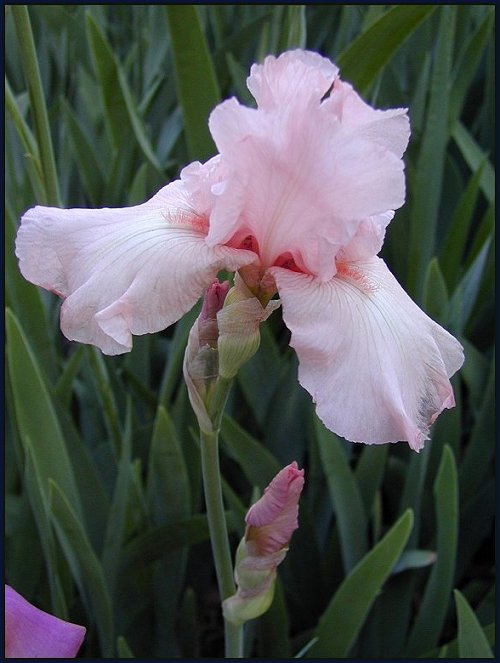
293	76
388	128
299	182
32	633
207	320
198	179
273	518
368	240
124	271
376	366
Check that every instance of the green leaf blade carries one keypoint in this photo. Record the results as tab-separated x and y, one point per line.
432	611
345	496
36	416
472	642
84	564
196	81
365	57
342	620
475	156
258	464
121	112
430	164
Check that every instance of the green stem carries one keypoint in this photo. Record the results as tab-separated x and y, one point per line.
37	103
215	512
216	519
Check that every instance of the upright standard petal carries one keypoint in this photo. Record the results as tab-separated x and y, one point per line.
292	77
389	128
298	182
124	271
377	366
306	168
33	633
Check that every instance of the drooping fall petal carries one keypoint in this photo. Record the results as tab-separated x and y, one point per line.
33	633
376	366
123	271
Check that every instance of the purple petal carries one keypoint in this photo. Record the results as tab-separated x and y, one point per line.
33	633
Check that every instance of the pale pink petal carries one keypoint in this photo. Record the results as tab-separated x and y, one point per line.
197	180
292	77
32	633
123	271
273	518
390	128
368	240
299	183
376	366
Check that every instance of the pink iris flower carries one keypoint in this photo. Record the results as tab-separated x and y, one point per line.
297	200
32	633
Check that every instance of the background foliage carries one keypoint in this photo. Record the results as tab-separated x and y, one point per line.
104	515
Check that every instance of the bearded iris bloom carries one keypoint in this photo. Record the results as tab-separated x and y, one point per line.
297	201
33	633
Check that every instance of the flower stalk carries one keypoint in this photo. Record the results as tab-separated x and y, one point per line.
218	533
223	338
208	391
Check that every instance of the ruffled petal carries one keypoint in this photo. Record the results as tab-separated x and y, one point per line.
123	271
298	182
307	168
376	366
198	180
389	128
368	240
292	77
33	633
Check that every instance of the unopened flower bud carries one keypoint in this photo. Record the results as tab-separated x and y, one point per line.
224	337
207	321
271	522
238	323
201	363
